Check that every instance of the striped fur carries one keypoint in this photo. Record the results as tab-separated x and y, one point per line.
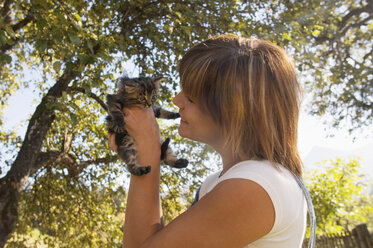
140	92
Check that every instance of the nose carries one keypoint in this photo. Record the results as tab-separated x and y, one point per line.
177	100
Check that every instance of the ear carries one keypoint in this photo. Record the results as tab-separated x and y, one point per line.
157	81
160	79
128	89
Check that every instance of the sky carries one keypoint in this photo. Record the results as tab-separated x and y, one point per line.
313	141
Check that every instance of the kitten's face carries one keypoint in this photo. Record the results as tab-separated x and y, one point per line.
140	91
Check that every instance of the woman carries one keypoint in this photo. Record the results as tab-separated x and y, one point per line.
240	96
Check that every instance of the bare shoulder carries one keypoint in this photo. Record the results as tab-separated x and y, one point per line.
235	213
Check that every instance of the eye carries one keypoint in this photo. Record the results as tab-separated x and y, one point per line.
189	99
154	97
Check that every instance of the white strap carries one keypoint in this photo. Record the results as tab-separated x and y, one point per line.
311	211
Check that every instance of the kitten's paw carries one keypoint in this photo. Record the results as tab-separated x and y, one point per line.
140	170
164	148
181	163
174	115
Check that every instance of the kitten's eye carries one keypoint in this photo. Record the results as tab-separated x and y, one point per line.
154	97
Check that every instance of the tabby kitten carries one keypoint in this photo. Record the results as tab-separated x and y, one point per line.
141	92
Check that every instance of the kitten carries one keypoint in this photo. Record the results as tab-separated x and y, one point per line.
141	92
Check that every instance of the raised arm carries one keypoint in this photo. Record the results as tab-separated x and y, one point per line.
236	212
143	211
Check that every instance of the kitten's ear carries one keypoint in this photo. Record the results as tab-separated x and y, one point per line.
157	81
128	89
121	83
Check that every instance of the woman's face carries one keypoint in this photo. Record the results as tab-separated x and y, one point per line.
196	124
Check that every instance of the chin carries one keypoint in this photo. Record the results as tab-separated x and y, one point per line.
182	133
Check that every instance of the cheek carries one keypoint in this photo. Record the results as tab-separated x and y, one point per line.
210	128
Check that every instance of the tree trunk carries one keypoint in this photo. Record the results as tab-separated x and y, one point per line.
8	205
12	184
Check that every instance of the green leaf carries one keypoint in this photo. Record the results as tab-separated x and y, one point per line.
286	36
90	46
6	58
77	17
3	39
74	39
64	96
73	118
41	45
41	23
10	31
76	107
57	66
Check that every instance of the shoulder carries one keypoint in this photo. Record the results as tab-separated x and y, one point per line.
209	183
239	204
264	173
278	183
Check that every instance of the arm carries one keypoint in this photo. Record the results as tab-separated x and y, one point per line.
143	211
236	212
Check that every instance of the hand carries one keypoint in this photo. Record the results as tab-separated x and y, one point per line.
142	125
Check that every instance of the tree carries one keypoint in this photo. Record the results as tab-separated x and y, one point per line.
333	43
340	196
79	48
59	211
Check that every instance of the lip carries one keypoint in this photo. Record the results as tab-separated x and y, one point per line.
182	120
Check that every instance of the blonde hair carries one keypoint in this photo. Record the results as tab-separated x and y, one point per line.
249	87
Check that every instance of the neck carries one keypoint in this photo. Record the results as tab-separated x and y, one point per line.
228	158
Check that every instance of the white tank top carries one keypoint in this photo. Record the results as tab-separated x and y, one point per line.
287	198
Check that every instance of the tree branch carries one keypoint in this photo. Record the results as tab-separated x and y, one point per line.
80	167
355	12
16	27
67	161
342	24
38	127
90	94
355	25
43	159
368	54
7	47
67	141
6	11
29	18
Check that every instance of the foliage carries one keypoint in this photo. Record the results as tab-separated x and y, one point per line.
333	43
72	51
58	211
340	196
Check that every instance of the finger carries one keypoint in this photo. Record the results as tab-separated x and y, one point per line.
126	111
